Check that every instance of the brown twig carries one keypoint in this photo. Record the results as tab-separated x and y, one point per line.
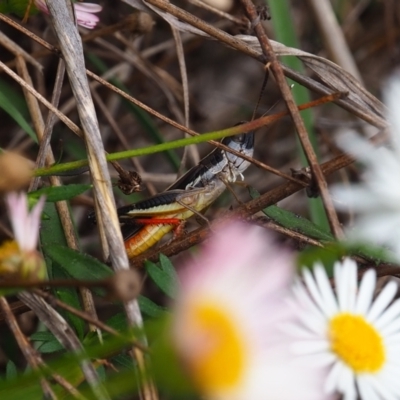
29	353
72	51
298	121
236	44
226	39
239	45
44	133
85	316
65	335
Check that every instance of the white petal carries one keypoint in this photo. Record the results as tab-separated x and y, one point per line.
325	289
391	329
18	214
33	224
310	315
314	291
381	302
347	383
311	347
366	292
332	381
346	284
390	314
366	389
377	389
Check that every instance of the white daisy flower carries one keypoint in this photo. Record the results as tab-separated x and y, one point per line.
228	317
357	336
377	199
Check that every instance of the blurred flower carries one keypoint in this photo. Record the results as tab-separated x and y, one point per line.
84	12
228	319
16	171
223	5
356	336
377	198
20	257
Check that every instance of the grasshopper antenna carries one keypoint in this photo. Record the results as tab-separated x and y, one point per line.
264	84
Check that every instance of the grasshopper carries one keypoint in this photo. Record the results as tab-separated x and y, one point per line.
144	223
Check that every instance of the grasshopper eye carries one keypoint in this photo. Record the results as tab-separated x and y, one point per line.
239	138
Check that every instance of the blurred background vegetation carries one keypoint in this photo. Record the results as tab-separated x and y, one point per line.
140	57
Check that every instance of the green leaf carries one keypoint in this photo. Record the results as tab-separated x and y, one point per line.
11	370
123	361
71	297
292	221
16	96
50	347
7	105
10	292
369	251
59	193
334	251
118	322
18	7
327	256
169	269
78	265
42	336
167	370
164	277
47	342
149	308
52	234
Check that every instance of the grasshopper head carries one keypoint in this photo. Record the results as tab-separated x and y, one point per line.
243	143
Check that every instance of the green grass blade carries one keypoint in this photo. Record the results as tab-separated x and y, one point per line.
9	106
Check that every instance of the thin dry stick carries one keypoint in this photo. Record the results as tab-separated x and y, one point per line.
208	28
66	336
85	316
62	206
44	147
121	137
26	348
18	51
236	44
241	46
185	86
149	70
294	112
74	128
333	36
71	47
137	22
34	359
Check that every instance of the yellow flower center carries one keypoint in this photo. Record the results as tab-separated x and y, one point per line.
8	249
219	360
357	343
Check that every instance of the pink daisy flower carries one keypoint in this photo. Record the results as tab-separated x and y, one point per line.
84	13
229	319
